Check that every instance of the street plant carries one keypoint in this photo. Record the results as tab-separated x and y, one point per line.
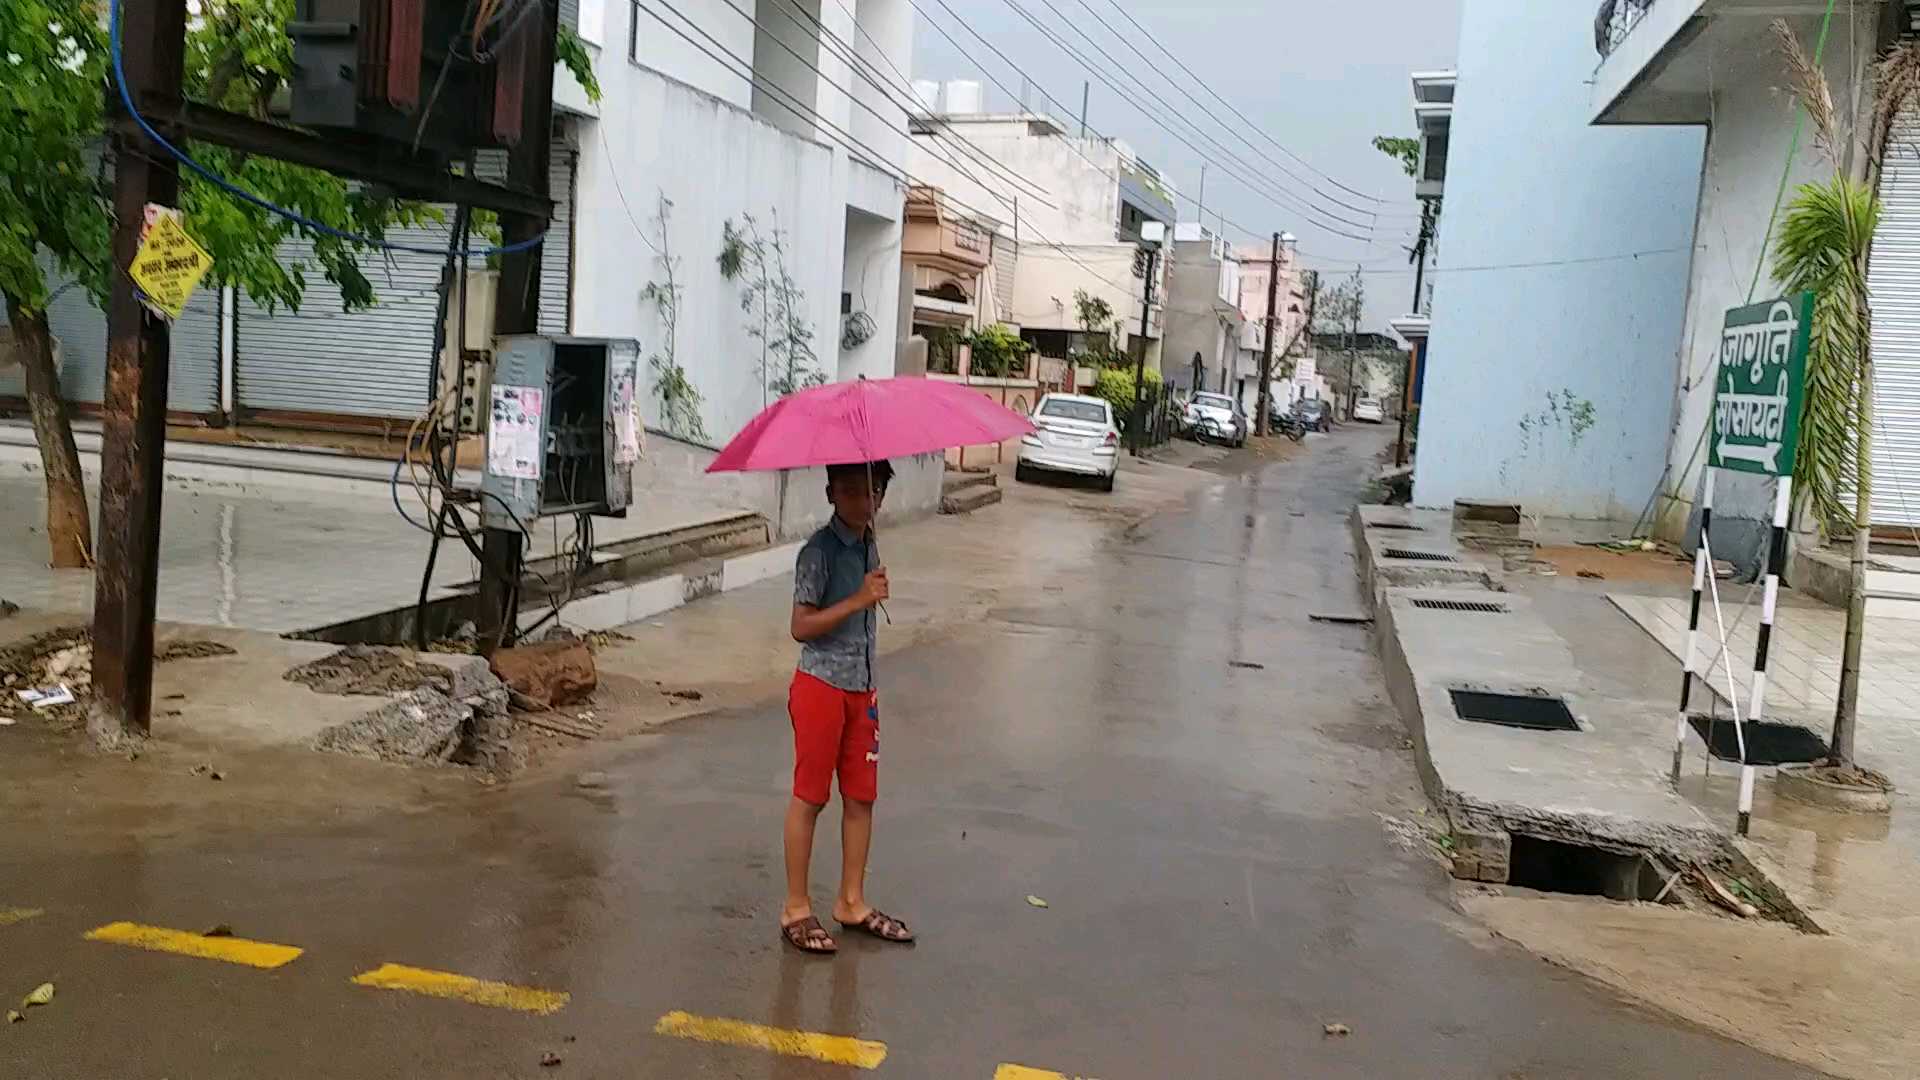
775	305
56	209
680	400
1825	241
997	351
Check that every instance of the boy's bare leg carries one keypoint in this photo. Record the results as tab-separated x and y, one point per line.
801	818
856	836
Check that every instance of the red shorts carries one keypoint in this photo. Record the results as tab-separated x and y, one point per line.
834	730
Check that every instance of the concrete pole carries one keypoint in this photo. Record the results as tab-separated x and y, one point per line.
1265	395
1140	362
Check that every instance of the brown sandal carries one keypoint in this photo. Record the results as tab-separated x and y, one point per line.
883	926
809	936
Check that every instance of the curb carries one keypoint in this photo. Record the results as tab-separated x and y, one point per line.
656	596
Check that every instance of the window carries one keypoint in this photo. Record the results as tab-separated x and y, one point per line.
1091	412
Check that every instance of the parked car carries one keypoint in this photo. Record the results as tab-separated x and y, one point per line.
1076	434
1316	414
1368	411
1217	417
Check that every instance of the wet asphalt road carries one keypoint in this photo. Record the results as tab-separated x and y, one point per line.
1206	836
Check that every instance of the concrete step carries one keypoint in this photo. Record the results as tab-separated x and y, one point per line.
956	482
970	498
675	563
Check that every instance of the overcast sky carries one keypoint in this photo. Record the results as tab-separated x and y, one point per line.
1329	77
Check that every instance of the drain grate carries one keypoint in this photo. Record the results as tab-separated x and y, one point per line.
1530	712
1484	607
1768	742
1400	526
1417	556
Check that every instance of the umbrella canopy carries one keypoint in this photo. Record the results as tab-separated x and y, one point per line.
867	420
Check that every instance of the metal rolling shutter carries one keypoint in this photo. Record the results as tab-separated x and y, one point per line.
377	362
193	371
1894	283
556	254
372	363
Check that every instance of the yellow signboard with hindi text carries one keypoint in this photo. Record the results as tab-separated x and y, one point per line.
169	265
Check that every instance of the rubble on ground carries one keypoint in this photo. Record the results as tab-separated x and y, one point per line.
448	708
370	669
547	674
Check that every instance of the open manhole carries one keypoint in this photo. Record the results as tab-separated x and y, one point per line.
1581	870
1530	712
1768	742
1417	556
1484	607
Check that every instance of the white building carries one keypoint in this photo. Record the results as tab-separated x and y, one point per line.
733	111
1203	318
1713	66
1075	214
1560	289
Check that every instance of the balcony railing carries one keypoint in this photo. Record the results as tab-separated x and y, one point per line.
1614	21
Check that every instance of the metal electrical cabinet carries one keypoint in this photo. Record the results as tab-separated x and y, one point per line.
563	429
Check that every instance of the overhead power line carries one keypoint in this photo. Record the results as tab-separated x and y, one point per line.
1195	76
1275	195
1257	236
714	50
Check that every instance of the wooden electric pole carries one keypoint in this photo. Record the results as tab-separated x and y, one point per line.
518	308
134	406
1265	398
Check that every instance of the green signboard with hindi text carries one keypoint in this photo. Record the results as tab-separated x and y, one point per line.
1758	390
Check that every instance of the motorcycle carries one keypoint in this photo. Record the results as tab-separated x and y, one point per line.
1291	424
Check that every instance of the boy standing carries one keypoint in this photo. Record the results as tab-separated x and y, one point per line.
837	583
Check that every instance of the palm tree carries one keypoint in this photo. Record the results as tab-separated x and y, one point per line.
1823	247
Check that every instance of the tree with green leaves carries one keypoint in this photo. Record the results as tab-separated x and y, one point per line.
1823	245
1401	148
56	208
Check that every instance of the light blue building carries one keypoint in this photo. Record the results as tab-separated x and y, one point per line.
1560	280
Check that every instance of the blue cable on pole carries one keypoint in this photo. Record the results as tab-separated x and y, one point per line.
126	99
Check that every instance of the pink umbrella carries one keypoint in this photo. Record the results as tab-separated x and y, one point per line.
867	420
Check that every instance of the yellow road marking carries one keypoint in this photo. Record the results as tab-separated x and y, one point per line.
1023	1072
833	1049
233	950
11	915
445	984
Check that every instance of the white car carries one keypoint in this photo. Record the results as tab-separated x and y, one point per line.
1225	413
1076	435
1368	411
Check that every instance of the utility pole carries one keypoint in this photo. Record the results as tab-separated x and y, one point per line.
1265	395
134	406
1352	333
517	309
1200	201
1084	87
1140	361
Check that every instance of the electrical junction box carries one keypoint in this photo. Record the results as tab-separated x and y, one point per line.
563	429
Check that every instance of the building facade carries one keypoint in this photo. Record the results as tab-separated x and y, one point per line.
736	118
1290	339
1712	66
1076	213
1560	294
1203	317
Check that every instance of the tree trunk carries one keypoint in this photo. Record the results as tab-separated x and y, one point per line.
1847	706
69	530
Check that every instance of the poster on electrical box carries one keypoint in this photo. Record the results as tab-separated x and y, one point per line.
513	433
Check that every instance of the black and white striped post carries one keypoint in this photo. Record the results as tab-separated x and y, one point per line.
1702	566
1770	595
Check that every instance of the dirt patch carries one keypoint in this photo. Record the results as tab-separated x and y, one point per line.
1600	564
191	650
1847	1008
369	669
